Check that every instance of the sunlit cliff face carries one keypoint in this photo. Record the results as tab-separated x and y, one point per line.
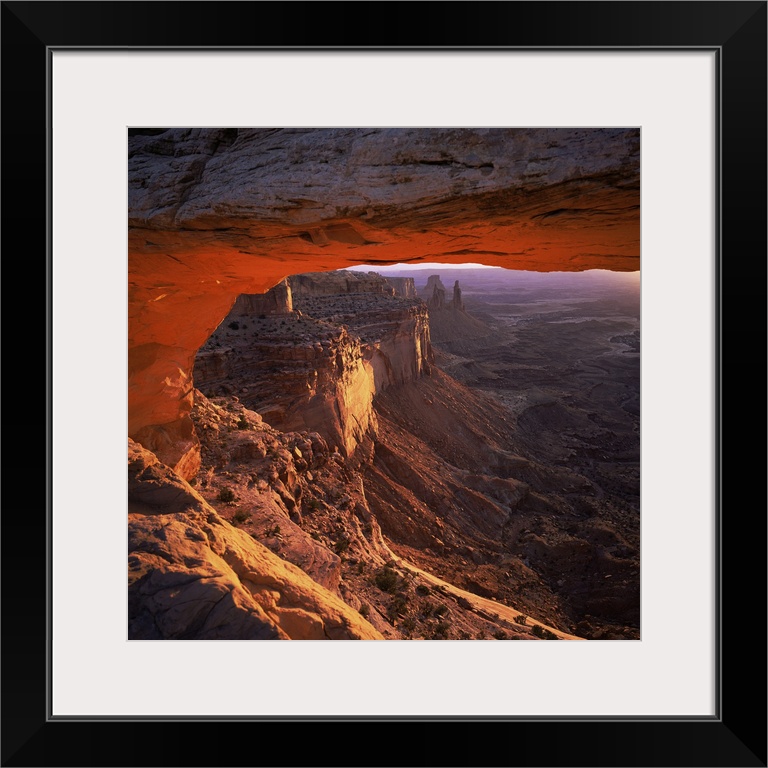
214	213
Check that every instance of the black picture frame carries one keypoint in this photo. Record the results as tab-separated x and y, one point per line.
736	736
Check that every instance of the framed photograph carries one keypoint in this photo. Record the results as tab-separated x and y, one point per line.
687	80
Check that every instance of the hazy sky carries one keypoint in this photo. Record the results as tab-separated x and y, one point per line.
417	265
437	266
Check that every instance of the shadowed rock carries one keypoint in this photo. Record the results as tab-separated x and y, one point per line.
458	304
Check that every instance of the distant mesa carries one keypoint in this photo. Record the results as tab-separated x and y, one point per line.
276	301
434	293
344	281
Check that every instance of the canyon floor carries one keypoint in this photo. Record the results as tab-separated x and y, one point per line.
487	489
562	355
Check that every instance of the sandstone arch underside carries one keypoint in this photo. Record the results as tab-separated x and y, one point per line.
214	213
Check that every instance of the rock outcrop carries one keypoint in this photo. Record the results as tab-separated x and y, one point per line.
458	303
404	286
318	368
214	213
394	329
296	372
276	301
309	506
437	479
434	293
192	575
340	282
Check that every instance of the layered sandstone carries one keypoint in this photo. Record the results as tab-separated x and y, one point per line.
404	286
296	372
393	328
305	503
318	368
437	478
214	213
192	575
276	301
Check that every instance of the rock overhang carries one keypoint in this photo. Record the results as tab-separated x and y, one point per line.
214	213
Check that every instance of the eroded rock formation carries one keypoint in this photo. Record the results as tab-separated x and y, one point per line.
404	286
458	303
393	327
297	373
192	575
214	213
290	493
276	301
295	550
431	483
320	367
434	293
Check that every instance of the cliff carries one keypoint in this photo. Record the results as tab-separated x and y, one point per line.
276	301
275	533
404	286
394	330
429	483
319	367
296	372
344	281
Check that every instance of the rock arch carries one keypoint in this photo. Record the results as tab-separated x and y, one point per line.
214	213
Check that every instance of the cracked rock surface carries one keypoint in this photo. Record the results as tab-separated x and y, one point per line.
192	575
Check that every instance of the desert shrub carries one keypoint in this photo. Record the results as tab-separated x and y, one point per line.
397	607
242	423
315	535
240	516
441	630
422	590
365	610
226	495
441	610
342	545
386	580
500	634
234	325
272	531
543	633
521	619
